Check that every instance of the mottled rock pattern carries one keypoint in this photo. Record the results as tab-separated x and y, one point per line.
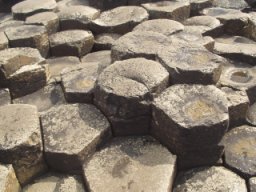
104	41
8	180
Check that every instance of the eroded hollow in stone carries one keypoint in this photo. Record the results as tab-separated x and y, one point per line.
240	77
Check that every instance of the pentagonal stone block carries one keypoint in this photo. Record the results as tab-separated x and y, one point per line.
45	98
251	115
197	5
71	43
49	20
164	26
4	42
29	36
176	10
209	179
5	97
71	133
53	182
105	41
107	4
124	91
20	141
139	44
8	179
29	7
252	184
191	65
238	106
77	17
240	152
119	20
131	164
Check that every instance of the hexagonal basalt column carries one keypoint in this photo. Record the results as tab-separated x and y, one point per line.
29	36
210	179
131	164
191	121
240	153
71	133
71	43
8	180
119	20
20	141
124	91
105	41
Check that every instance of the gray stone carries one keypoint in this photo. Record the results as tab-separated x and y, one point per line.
207	21
29	36
105	41
250	30
29	7
164	26
119	20
67	3
191	119
139	44
10	23
5	17
49	20
77	17
5	97
107	4
4	42
177	10
71	133
230	4
131	164
191	65
8	179
251	115
198	5
252	184
210	179
20	141
71	43
124	91
238	106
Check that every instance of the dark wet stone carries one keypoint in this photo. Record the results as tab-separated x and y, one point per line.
8	179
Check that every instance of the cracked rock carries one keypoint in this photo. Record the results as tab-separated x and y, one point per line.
71	133
105	41
8	179
5	97
20	141
131	164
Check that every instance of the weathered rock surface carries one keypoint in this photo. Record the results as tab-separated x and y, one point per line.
198	5
230	4
5	97
251	115
10	23
124	91
240	151
4	42
105	41
250	30
20	141
8	180
67	3
131	164
71	43
252	184
210	179
71	133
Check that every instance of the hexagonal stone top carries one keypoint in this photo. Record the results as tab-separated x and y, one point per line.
210	179
131	164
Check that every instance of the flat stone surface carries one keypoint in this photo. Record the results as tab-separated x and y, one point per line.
119	20
164	26
5	97
77	17
49	20
4	42
71	133
20	140
230	4
251	115
71	43
29	7
252	184
210	179
29	36
8	180
139	44
240	152
203	20
10	23
176	10
124	91
105	41
67	3
131	164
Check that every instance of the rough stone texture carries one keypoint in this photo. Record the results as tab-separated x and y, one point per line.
190	65
8	180
250	30
198	5
119	20
131	164
238	106
29	36
251	115
77	17
240	152
139	44
29	7
71	43
5	17
4	42
67	3
210	179
71	133
176	10
164	26
5	97
230	4
56	183
20	141
45	98
252	184
105	41
191	120
124	91
10	23
49	20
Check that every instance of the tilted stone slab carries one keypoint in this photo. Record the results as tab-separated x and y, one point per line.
8	179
